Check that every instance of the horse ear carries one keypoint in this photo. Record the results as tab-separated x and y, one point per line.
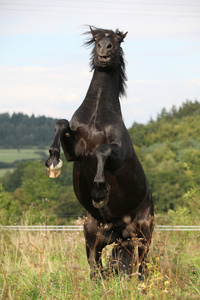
92	32
124	35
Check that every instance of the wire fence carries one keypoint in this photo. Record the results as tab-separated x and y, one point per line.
80	228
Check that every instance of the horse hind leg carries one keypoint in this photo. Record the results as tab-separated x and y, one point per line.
94	246
94	260
144	241
129	257
122	257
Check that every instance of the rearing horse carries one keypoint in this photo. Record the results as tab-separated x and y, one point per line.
108	178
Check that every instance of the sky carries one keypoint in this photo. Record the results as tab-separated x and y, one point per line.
44	67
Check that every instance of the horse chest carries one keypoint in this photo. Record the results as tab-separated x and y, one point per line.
89	138
92	128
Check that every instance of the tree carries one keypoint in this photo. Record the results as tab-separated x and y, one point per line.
8	206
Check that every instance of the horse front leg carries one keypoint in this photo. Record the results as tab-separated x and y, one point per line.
107	155
65	136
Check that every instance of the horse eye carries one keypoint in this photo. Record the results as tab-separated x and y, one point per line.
119	39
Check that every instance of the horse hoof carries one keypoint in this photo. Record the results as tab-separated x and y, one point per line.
100	203
100	194
54	172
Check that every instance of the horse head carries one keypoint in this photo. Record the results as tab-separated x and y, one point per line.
107	49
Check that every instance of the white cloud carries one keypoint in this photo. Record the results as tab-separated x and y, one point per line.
145	20
58	92
41	90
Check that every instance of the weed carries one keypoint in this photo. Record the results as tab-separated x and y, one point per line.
53	265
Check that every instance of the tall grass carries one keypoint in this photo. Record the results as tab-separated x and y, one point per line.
53	265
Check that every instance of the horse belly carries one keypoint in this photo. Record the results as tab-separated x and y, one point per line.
83	185
127	190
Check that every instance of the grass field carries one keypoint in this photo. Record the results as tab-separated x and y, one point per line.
13	155
53	265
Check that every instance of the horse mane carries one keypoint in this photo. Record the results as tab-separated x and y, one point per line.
122	67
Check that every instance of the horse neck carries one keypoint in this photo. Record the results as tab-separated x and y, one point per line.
104	91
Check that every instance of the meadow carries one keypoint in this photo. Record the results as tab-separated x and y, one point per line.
11	156
53	265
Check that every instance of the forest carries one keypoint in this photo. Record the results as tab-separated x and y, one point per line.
21	131
168	148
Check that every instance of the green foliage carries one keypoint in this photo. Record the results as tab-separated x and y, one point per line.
7	203
31	188
163	147
13	180
188	108
189	214
193	194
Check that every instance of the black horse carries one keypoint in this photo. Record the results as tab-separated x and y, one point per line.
108	178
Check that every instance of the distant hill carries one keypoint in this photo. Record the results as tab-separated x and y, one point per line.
21	131
173	125
167	147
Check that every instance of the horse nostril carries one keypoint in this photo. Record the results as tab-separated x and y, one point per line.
109	46
99	46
